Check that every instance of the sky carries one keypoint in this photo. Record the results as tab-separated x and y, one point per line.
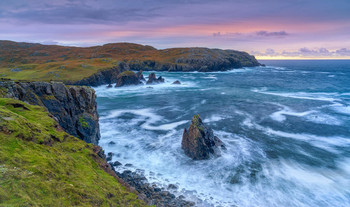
268	29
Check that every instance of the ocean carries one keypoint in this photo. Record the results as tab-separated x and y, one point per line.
286	127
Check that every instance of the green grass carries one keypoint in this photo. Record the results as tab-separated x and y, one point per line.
126	73
41	165
83	122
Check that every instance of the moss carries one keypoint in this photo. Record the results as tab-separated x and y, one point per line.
83	122
49	97
41	165
196	120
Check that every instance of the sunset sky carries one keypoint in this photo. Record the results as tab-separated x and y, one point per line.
265	28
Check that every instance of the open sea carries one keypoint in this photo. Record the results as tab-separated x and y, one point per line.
286	127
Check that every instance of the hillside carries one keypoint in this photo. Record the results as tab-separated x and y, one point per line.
41	165
29	61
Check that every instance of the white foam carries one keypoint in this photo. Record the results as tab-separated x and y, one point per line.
342	109
213	118
327	143
280	115
301	95
311	116
149	116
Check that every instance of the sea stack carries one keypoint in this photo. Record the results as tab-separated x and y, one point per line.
153	79
199	142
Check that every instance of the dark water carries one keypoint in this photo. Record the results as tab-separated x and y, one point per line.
286	127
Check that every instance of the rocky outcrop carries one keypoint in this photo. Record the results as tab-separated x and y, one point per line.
74	107
127	78
139	75
102	77
152	79
199	142
177	82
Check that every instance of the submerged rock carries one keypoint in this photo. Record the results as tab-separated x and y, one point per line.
109	86
176	82
127	78
153	79
199	142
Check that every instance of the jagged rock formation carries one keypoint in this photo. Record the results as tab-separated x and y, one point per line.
139	75
127	78
199	142
152	79
74	107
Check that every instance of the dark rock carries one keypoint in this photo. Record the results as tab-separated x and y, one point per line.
111	143
139	75
152	79
153	194
199	141
73	107
128	165
127	78
116	164
109	156
172	187
176	82
109	86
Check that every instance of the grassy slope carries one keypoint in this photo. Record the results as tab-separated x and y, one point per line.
41	165
50	62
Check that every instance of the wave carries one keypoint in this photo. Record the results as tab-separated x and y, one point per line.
319	96
314	116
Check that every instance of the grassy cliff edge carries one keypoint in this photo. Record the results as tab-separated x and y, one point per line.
41	165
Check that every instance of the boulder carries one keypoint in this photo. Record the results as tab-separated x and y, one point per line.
109	86
127	78
176	82
153	79
199	142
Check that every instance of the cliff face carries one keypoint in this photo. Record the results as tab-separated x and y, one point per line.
195	59
74	107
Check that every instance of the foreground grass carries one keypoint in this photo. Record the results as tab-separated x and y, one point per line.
41	165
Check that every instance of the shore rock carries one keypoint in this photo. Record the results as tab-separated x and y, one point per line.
153	79
74	107
153	194
199	142
127	78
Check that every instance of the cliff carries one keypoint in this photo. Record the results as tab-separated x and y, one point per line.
41	165
74	107
99	64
